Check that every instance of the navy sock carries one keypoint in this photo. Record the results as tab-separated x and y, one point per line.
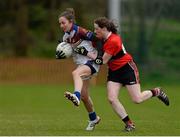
92	116
78	94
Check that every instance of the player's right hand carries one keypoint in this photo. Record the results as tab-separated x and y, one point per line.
60	55
81	50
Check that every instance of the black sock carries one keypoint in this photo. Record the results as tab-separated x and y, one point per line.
127	120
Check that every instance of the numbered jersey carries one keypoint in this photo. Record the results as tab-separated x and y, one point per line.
114	46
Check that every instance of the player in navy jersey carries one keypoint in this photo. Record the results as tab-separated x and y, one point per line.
78	37
122	70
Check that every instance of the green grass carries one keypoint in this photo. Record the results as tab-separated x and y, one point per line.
28	110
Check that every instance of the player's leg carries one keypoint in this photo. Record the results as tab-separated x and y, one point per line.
132	76
80	71
138	96
85	96
113	92
135	90
77	74
93	118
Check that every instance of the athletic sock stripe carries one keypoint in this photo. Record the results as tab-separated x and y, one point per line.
136	72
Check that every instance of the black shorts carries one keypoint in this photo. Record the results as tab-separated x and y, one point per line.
126	75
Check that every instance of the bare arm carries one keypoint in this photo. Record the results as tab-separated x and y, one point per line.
92	55
106	57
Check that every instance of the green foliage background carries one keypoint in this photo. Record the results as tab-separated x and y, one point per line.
150	30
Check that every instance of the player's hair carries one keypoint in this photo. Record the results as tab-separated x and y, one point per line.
107	23
69	14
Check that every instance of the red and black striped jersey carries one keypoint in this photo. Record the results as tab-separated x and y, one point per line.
114	46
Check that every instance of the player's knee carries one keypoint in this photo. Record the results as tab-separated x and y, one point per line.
112	99
75	72
137	100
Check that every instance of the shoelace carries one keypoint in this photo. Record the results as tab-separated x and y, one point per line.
163	94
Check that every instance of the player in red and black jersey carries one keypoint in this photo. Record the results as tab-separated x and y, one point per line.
122	71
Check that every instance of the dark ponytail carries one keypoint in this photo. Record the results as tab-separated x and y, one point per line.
69	14
112	27
104	22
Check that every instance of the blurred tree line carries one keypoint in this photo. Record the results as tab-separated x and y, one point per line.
150	29
30	25
145	19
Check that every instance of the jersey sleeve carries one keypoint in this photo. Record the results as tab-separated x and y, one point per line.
90	36
87	35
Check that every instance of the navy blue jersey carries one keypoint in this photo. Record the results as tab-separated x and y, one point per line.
77	34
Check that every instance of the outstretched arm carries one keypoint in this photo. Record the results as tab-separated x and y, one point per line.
83	51
102	60
98	59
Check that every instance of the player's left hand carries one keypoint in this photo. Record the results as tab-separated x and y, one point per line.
60	55
81	50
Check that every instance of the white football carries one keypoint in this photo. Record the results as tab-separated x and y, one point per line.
65	48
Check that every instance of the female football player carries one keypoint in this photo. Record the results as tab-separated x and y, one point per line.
122	70
77	37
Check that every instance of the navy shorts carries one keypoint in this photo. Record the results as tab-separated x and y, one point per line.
126	75
90	65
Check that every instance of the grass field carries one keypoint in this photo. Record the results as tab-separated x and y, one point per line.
27	110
